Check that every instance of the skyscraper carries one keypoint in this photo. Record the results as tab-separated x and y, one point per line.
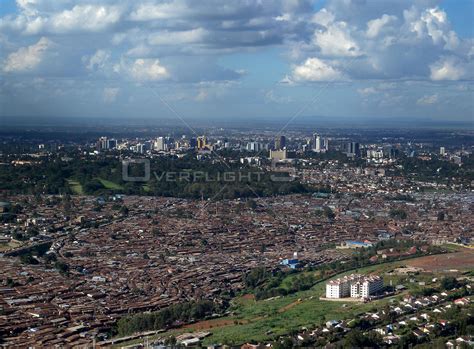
316	142
254	146
160	144
353	149
326	144
102	143
111	143
280	143
201	142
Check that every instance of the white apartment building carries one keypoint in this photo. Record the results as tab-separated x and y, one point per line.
366	286
355	286
341	287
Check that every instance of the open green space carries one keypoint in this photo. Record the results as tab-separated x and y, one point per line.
269	318
9	245
75	186
261	320
110	185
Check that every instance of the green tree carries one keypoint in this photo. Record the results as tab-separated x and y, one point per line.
449	282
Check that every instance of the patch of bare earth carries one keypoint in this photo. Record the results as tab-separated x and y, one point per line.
461	260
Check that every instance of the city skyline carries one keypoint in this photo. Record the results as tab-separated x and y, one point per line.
343	60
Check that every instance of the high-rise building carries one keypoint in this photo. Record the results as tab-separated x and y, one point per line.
160	144
442	151
316	143
353	149
280	143
394	153
111	143
201	142
192	143
102	143
254	146
326	144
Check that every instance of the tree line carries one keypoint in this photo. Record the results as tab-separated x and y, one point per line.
167	317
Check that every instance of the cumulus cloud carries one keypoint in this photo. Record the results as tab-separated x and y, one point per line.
178	37
323	17
143	69
314	69
366	91
27	58
434	21
86	18
167	10
97	61
185	41
375	26
396	40
336	40
428	100
405	40
79	18
447	69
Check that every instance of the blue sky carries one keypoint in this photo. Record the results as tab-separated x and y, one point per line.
231	59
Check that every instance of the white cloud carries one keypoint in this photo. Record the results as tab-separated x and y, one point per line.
176	38
399	40
314	69
141	50
287	80
109	94
271	97
149	11
28	6
143	70
283	18
35	25
447	69
375	26
97	61
434	20
428	100
89	18
85	17
27	58
336	40
366	91
323	17
432	24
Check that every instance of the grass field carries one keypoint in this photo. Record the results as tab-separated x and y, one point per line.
75	186
9	245
110	185
265	319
